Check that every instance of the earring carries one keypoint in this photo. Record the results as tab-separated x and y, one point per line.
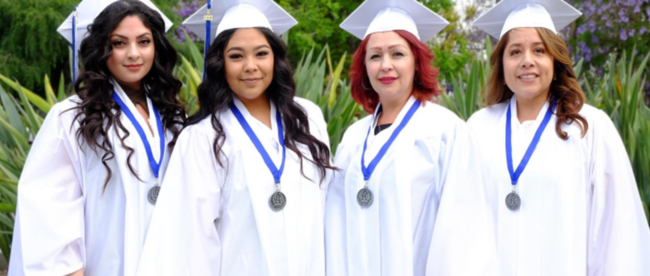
363	85
554	77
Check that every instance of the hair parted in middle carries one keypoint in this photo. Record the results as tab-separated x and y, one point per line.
425	83
96	113
215	95
565	88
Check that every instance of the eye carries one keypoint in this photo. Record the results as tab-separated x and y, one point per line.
398	54
374	56
145	41
540	50
235	56
117	43
263	53
515	52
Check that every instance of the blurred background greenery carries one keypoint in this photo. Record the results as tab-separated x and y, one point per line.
609	44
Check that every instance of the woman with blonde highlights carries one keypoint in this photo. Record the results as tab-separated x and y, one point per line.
564	198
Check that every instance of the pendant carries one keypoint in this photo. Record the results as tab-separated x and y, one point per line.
364	197
513	201
153	194
277	201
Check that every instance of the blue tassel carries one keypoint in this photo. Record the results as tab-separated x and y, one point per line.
206	43
75	62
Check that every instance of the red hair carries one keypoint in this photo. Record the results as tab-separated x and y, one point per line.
424	89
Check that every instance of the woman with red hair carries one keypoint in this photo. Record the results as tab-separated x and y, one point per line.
408	199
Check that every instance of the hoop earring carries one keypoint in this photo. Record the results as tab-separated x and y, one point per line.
363	85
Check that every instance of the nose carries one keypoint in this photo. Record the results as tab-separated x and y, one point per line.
250	65
386	64
132	52
527	60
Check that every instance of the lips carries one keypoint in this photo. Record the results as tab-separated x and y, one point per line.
251	80
387	80
528	77
133	67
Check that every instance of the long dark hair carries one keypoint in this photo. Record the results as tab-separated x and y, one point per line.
214	95
94	88
565	88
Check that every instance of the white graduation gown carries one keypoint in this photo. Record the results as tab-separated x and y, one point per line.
212	221
580	211
65	220
429	212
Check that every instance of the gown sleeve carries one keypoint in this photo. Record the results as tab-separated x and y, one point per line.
182	237
619	238
335	216
463	241
48	231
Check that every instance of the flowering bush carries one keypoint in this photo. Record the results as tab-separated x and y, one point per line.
184	9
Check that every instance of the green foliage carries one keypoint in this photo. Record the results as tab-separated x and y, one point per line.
30	47
620	94
318	26
450	46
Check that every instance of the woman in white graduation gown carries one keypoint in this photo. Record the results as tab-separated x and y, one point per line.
85	193
559	180
408	199
246	185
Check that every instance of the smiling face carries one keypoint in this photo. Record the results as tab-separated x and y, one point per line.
249	64
390	65
133	52
527	66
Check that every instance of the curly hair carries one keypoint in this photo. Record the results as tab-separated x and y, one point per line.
425	83
215	94
565	88
95	111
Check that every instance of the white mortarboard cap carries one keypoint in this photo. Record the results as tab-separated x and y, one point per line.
510	14
86	13
390	15
232	14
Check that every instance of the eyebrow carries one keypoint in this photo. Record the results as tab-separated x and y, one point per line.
520	45
389	47
242	49
124	37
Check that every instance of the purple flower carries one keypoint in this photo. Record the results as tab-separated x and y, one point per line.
623	35
594	39
581	29
642	30
631	33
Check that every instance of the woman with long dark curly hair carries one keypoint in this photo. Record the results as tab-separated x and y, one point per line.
409	199
559	180
245	189
90	182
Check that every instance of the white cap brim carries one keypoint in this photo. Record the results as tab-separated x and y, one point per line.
500	18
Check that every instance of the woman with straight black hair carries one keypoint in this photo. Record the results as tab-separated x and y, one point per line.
90	182
245	192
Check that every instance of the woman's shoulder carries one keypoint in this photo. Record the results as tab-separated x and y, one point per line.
487	115
66	110
310	108
437	112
